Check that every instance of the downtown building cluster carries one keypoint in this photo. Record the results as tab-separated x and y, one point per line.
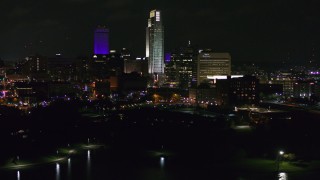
188	74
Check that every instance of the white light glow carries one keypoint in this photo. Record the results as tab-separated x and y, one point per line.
223	76
162	162
283	176
57	171
157	16
88	164
18	175
69	168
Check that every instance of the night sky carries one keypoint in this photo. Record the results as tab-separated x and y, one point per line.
251	30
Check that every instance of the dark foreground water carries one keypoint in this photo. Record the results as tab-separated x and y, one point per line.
130	163
105	165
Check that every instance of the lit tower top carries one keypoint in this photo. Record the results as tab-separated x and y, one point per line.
155	43
101	41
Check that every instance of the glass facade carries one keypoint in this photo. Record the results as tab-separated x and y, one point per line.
155	43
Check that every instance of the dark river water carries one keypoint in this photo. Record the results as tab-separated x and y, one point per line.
133	164
104	165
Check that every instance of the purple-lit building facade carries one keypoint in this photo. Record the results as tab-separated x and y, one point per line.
167	57
101	41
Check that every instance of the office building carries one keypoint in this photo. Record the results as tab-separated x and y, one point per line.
181	67
304	89
155	43
138	65
101	41
235	91
212	64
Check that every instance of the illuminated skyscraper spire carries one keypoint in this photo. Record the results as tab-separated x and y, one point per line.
155	43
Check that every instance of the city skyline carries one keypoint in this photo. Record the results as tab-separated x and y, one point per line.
249	30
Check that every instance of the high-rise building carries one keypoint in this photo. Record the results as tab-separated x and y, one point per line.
34	64
239	90
101	41
304	89
137	65
181	67
212	64
155	43
286	79
57	66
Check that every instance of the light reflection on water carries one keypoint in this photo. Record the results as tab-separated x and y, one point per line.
18	175
283	176
88	154
94	165
57	171
162	162
69	168
88	164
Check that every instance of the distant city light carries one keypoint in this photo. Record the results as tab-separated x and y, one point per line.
167	57
223	77
281	152
314	72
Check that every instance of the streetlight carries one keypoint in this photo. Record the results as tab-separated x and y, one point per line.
279	159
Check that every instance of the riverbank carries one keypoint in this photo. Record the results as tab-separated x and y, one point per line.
62	154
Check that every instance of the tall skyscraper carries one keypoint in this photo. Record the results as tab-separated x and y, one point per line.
101	41
155	43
